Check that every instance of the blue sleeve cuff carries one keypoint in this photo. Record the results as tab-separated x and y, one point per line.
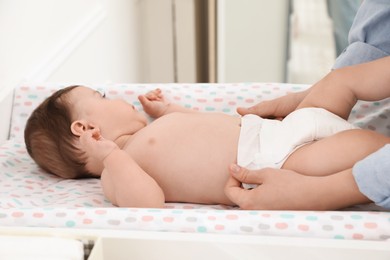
372	176
356	53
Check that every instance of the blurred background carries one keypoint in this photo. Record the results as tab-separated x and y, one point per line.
150	41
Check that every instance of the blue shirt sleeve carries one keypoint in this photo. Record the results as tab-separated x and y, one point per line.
372	176
369	37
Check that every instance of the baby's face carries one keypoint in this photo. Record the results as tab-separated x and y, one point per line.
114	117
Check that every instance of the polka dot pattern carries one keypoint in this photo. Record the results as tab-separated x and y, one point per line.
206	219
31	197
201	97
23	184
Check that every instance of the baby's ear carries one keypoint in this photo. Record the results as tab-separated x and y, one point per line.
78	127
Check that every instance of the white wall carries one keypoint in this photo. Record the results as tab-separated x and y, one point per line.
168	41
252	40
99	41
312	50
157	42
68	41
110	53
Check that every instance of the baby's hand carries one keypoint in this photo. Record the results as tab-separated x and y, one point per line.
95	145
154	103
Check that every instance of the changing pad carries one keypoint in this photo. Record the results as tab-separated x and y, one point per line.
31	197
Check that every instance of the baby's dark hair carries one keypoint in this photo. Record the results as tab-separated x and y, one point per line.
49	140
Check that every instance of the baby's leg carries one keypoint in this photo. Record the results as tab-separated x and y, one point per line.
335	153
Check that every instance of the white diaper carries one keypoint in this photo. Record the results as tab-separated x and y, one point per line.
268	143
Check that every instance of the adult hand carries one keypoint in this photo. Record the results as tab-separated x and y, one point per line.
281	189
275	108
278	189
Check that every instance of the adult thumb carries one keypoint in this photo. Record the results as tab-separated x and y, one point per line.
246	176
260	109
245	110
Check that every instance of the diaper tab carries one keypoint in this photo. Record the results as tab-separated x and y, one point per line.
249	140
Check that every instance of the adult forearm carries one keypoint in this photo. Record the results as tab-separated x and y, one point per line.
331	94
338	191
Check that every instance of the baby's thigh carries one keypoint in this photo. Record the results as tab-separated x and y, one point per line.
335	153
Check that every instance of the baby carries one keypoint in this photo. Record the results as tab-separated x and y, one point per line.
183	155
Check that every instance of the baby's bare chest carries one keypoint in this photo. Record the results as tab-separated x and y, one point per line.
186	142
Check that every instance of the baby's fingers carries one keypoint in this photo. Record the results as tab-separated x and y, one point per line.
90	136
145	102
96	134
155	94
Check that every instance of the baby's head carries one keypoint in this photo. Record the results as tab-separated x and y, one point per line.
52	132
49	140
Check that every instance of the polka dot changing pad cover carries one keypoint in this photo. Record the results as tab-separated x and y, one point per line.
31	197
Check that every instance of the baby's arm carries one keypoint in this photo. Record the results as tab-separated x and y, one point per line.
124	183
339	91
127	185
155	104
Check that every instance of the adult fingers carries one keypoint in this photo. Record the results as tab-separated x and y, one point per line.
266	109
236	193
248	110
233	183
246	176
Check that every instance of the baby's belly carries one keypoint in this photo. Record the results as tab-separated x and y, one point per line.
190	161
